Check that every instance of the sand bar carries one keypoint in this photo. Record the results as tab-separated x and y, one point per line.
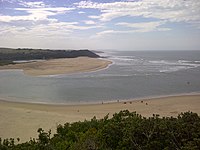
23	119
60	66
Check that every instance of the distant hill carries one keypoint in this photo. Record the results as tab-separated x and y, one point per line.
8	55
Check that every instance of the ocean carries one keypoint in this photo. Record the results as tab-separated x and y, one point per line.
133	75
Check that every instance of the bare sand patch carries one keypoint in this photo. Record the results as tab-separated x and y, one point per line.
60	66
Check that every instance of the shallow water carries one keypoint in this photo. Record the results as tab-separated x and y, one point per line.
132	75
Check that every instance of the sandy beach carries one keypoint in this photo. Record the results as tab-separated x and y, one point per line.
60	66
23	119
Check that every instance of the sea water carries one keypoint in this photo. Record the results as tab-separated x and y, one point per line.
133	74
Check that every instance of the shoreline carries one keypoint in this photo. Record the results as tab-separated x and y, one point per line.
144	98
17	118
62	66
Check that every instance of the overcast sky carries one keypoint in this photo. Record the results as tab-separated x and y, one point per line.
101	24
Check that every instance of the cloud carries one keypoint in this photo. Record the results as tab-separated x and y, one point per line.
8	1
94	17
145	26
89	22
72	26
54	29
34	31
141	27
81	12
38	19
105	32
38	4
36	14
169	10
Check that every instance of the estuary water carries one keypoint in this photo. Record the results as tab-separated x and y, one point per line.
133	74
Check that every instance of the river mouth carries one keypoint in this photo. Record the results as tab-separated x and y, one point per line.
132	75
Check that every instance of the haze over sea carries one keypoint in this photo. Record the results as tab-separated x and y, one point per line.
133	74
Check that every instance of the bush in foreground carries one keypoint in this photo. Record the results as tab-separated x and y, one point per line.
124	131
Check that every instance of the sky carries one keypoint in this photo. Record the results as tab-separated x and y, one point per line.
101	24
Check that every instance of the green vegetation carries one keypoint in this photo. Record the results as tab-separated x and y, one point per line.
6	62
124	131
8	55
